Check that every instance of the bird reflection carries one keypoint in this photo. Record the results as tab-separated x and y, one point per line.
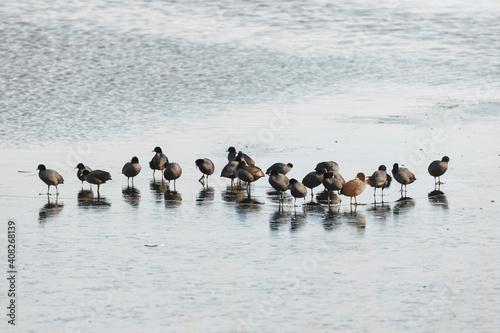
131	195
298	220
274	196
235	194
206	194
278	218
327	198
438	198
380	210
172	199
86	199
355	218
158	188
403	205
50	209
331	218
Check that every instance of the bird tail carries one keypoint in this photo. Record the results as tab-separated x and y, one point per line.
389	180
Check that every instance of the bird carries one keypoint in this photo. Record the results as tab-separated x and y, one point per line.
244	157
229	171
279	182
79	173
50	177
354	187
379	179
172	172
131	169
333	181
231	156
158	161
403	176
298	190
280	167
248	173
97	177
438	168
328	165
314	178
206	167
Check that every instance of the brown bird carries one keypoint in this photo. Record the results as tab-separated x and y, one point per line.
244	157
354	187
438	168
206	167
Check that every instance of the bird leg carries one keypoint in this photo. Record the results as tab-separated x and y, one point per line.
202	180
57	191
48	190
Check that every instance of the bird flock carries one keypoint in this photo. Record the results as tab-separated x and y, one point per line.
242	168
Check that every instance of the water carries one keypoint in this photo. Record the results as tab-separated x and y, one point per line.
361	83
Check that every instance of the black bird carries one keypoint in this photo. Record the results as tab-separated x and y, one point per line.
229	171
131	169
279	182
313	179
79	173
206	167
97	177
403	176
172	172
328	166
50	177
333	181
298	190
158	161
380	179
438	168
280	167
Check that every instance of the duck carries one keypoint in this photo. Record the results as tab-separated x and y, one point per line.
131	169
298	190
402	176
354	187
79	172
380	179
328	165
206	167
279	182
280	167
172	172
314	179
50	177
333	181
97	177
438	168
158	161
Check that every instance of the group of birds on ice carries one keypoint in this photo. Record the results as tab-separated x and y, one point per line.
242	167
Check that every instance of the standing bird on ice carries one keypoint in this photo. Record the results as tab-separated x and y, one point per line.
97	177
379	179
298	190
206	167
328	165
438	168
50	177
313	179
131	169
158	161
354	187
280	167
403	176
172	172
279	182
248	173
333	181
79	173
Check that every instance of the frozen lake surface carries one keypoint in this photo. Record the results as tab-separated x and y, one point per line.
360	83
